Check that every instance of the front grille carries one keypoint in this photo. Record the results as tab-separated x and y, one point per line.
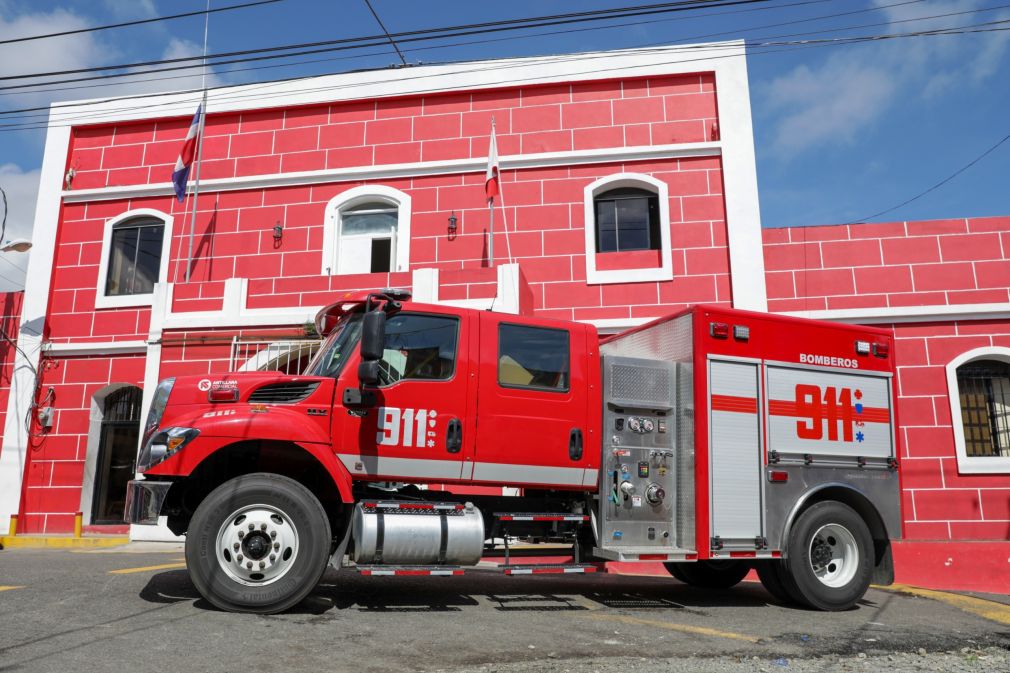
283	393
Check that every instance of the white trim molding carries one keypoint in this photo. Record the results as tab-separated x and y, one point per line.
973	464
903	314
617	181
95	348
103	300
356	196
405	170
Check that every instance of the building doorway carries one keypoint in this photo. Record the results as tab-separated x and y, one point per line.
118	435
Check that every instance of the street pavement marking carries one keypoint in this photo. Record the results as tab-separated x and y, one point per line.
996	612
8	588
163	566
684	628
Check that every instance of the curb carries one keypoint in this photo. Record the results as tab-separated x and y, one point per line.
60	542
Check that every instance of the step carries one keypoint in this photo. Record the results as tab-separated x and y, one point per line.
541	516
548	569
384	570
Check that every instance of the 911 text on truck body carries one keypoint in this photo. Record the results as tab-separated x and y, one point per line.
422	438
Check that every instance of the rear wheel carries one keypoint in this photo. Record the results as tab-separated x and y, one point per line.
830	557
258	543
710	574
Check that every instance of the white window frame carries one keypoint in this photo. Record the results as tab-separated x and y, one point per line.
119	301
357	196
973	464
618	181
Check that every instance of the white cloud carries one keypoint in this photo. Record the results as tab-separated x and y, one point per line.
816	106
131	9
21	187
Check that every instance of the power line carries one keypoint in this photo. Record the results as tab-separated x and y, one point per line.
471	42
171	17
391	40
792	45
411	36
947	179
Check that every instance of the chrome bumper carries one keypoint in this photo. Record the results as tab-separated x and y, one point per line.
144	500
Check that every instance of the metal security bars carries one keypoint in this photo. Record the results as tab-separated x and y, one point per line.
984	389
288	356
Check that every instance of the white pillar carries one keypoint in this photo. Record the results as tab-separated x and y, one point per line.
14	450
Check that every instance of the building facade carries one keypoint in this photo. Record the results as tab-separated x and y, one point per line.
628	190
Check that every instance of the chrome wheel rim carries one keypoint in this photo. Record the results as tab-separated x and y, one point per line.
257	545
834	555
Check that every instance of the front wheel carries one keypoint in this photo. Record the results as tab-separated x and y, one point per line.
709	574
830	557
258	543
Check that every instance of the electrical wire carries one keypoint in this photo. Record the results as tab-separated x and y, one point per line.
472	42
768	48
406	36
383	27
171	17
939	184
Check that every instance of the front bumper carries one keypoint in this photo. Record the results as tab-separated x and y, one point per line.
144	500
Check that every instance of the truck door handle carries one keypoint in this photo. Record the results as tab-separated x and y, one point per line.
575	444
454	436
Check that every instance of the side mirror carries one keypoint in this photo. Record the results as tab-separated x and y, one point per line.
373	336
368	372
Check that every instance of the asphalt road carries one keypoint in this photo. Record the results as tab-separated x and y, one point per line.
64	610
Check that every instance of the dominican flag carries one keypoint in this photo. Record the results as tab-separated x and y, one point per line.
491	176
185	161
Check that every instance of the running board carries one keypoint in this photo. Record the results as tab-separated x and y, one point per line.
383	571
645	554
547	569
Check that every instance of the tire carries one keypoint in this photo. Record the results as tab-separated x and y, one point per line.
770	574
252	520
829	561
710	574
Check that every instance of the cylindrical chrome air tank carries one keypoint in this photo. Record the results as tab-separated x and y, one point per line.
415	538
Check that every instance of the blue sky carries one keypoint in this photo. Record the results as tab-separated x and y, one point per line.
841	131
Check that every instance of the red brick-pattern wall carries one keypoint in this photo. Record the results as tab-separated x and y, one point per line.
56	457
893	264
938	502
434	127
10	317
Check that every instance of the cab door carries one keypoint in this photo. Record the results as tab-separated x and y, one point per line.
532	404
418	430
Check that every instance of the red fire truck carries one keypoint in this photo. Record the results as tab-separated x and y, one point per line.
422	439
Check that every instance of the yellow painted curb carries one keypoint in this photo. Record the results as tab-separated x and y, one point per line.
995	612
60	542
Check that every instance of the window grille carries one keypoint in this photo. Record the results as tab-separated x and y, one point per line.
984	391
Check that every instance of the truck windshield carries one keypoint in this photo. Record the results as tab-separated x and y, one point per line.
337	348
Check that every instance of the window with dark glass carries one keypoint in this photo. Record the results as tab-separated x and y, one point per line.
418	347
984	391
533	357
134	257
627	219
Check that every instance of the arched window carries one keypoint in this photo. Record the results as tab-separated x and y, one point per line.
627	218
134	257
367	231
979	385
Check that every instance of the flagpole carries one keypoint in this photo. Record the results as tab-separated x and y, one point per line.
490	208
199	145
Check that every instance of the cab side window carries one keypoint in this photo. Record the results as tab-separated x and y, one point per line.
533	357
420	347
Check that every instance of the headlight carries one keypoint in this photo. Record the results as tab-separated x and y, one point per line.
158	403
164	444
